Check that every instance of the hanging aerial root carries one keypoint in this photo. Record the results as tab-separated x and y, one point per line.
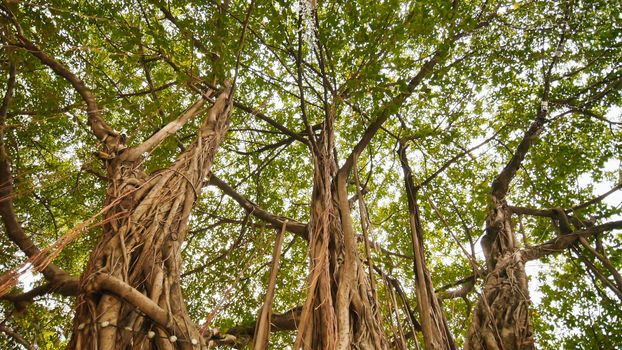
45	256
262	331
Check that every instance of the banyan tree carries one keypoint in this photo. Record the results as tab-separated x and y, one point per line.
310	175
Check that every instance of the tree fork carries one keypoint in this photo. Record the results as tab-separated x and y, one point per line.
501	318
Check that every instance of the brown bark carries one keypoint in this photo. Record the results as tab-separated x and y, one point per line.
131	286
339	312
262	330
501	319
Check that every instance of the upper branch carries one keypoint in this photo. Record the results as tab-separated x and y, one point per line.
166	131
597	199
62	281
562	242
501	183
387	109
98	125
454	159
552	213
293	226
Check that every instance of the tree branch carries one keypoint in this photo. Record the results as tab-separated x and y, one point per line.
388	108
168	130
501	183
560	243
454	159
140	301
62	282
293	226
240	336
597	199
18	338
98	125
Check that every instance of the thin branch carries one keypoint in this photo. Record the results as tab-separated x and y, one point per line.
604	260
293	226
388	108
18	338
454	159
27	297
466	286
597	199
501	183
148	91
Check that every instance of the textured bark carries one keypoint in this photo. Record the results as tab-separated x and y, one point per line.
339	312
501	318
131	286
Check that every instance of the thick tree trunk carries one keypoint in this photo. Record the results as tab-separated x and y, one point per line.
340	310
501	319
130	291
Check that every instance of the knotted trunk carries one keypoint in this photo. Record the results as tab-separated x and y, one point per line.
501	319
130	294
340	310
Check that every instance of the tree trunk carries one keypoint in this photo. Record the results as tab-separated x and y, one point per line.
501	319
130	294
340	310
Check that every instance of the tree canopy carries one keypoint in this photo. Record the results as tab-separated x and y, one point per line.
440	118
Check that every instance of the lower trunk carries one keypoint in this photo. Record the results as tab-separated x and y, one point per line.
501	319
340	310
131	295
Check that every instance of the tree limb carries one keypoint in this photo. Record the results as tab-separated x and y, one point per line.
62	282
168	130
18	338
293	226
98	125
560	243
388	108
140	301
